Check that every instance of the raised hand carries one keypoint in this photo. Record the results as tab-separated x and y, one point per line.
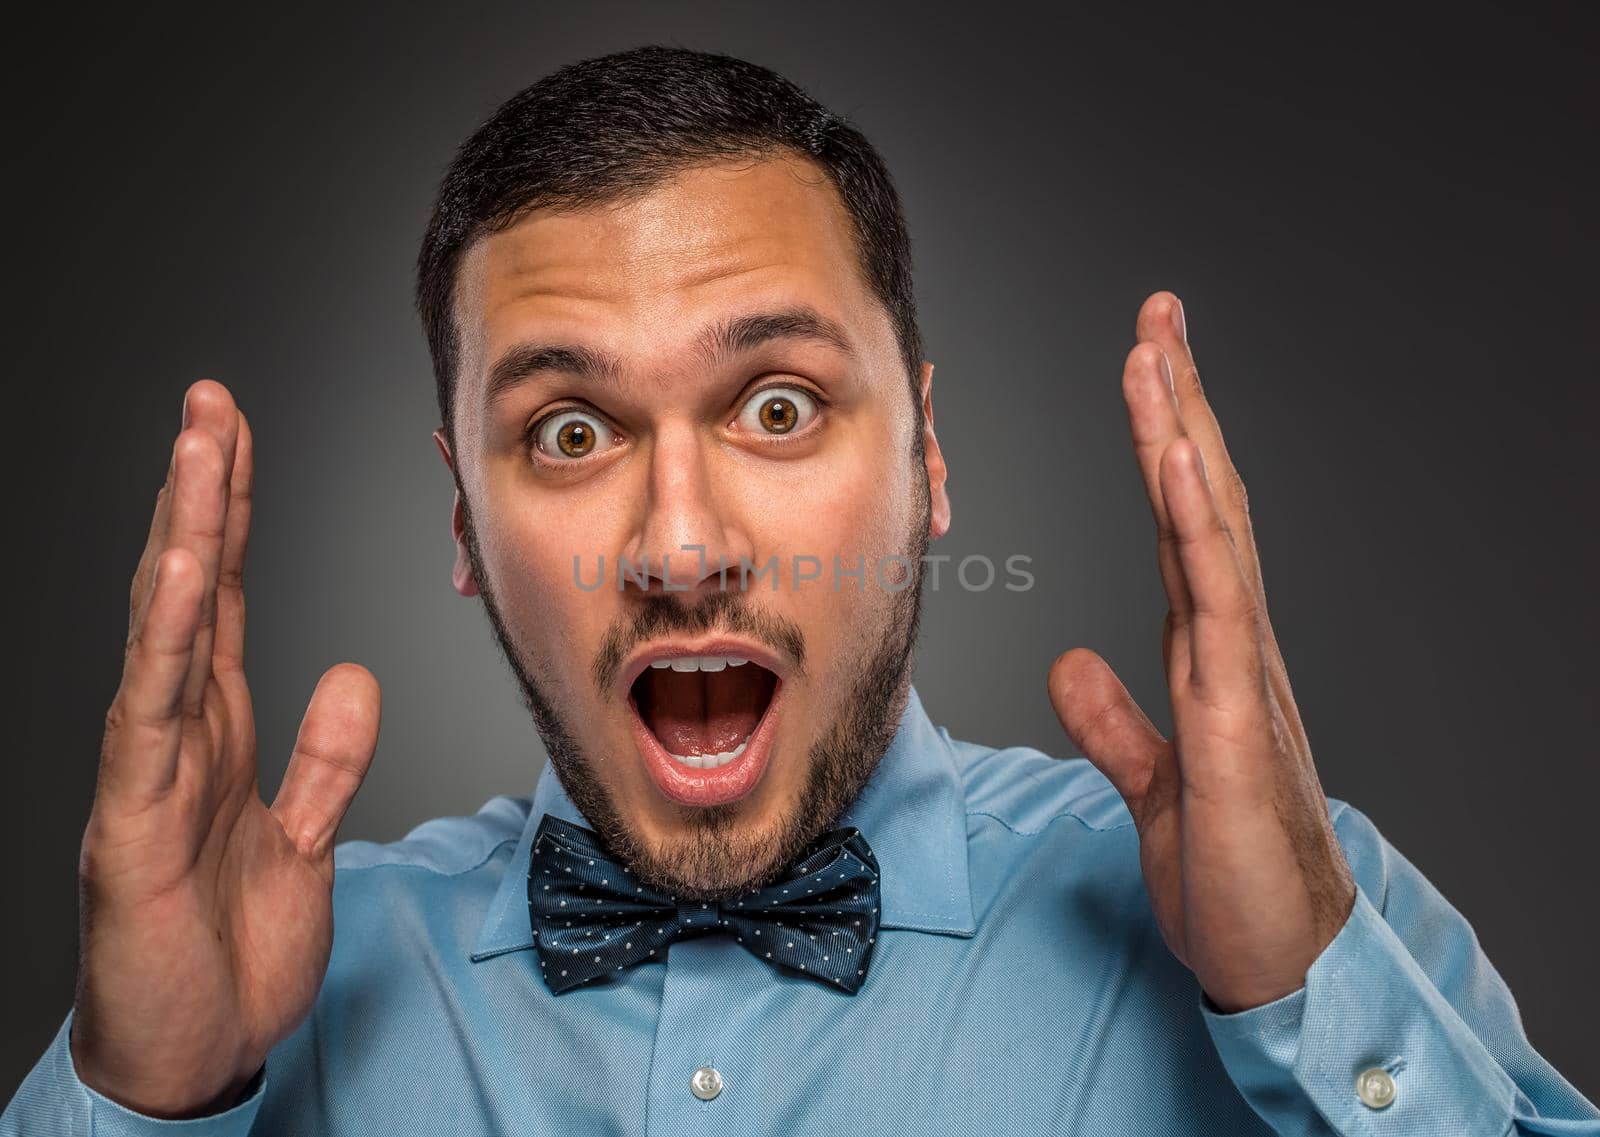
1241	862
206	918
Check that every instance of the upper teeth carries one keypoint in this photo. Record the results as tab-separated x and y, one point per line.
699	662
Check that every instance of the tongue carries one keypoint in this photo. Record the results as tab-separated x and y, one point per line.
695	713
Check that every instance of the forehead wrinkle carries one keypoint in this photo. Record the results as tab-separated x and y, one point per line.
724	338
732	336
717	263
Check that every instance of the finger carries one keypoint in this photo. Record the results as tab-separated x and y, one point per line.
199	508
331	757
1106	724
199	519
155	542
1162	319
1226	656
143	726
213	411
228	649
1154	423
199	407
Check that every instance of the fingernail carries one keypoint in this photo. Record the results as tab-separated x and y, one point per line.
1200	465
1178	321
1166	373
185	425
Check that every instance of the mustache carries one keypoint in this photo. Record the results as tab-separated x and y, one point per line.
727	612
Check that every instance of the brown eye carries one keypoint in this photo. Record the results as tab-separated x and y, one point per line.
778	410
778	415
571	434
575	439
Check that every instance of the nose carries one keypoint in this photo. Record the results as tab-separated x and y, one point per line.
687	538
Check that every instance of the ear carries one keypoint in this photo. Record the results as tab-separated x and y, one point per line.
461	573
939	511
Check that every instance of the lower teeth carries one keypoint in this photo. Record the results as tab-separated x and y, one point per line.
710	761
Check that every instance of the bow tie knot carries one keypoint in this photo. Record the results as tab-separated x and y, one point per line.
700	914
591	917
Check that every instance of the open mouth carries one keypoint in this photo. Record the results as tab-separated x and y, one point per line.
703	708
704	723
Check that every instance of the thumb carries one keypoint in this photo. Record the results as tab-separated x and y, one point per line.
331	756
1105	723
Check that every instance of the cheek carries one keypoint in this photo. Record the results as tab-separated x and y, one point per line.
544	568
856	504
855	495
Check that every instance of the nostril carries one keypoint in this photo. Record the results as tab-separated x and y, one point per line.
677	573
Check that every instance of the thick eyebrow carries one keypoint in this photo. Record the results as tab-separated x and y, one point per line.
719	342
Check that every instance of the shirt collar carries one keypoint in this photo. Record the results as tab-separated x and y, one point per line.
912	812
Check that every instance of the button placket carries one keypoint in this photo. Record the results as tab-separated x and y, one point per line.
696	1067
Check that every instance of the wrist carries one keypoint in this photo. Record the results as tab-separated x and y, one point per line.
1245	992
161	1099
1239	1001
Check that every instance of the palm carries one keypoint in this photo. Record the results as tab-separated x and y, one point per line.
207	919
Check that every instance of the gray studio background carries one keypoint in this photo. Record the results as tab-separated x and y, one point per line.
1378	229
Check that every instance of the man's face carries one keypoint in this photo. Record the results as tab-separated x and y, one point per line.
602	422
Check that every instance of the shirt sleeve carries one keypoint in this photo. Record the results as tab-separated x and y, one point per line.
53	1102
1403	1027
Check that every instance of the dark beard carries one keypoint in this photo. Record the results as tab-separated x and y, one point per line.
719	860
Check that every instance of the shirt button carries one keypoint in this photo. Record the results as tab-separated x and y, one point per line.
706	1083
1375	1087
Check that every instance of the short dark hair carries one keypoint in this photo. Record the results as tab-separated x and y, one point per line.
610	128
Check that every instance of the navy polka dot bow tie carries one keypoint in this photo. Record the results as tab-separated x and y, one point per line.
591	918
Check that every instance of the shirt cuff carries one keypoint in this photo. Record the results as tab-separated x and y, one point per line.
53	1099
1366	1006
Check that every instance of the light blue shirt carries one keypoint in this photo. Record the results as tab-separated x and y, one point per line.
1019	985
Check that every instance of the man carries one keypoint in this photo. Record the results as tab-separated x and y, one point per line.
669	302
